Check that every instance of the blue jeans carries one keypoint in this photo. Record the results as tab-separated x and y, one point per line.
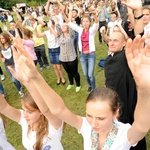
15	81
88	65
1	88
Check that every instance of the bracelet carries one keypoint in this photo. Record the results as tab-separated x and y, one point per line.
137	18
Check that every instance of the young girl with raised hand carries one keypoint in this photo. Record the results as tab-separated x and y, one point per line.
7	57
86	46
40	129
100	128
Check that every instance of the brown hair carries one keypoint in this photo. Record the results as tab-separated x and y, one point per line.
88	17
146	7
6	37
27	32
42	131
106	95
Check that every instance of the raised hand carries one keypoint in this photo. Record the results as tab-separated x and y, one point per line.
5	28
138	58
24	66
133	4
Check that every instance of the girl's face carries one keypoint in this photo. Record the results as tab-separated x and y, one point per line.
32	115
2	39
100	116
86	23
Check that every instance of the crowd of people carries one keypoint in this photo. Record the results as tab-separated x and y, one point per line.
117	115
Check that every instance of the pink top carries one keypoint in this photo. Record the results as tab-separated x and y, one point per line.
29	46
85	40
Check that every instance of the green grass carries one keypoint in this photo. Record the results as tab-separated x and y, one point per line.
71	140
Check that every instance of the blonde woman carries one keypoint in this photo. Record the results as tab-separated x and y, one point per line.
39	131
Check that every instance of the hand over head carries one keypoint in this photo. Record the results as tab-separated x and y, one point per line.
133	4
138	58
24	66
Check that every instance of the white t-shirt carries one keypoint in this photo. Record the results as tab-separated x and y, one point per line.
120	143
60	19
4	145
10	18
51	142
111	26
53	42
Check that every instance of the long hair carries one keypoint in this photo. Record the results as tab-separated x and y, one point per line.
42	129
6	37
4	120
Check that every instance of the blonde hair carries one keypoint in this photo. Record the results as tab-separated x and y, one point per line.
42	131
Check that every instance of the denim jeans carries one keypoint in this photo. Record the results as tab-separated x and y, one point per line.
88	65
15	81
1	88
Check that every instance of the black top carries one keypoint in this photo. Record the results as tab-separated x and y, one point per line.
14	34
119	77
78	20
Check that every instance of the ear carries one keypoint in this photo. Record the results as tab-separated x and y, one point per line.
116	114
124	43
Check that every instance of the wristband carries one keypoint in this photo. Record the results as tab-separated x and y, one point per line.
137	18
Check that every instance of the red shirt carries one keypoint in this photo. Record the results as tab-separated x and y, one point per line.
85	40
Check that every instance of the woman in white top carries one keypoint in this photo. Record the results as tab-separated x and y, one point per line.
40	129
100	128
54	50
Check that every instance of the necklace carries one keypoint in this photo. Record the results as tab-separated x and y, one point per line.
108	142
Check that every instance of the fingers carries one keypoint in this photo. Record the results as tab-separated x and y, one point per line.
147	50
129	54
135	45
142	45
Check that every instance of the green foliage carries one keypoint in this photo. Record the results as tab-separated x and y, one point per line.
32	3
11	3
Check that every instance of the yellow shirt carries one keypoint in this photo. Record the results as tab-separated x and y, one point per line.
38	41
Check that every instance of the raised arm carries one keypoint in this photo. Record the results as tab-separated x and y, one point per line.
6	30
9	111
136	6
39	35
54	102
138	59
16	12
47	8
121	28
104	35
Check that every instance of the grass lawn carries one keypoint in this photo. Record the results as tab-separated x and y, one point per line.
75	102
